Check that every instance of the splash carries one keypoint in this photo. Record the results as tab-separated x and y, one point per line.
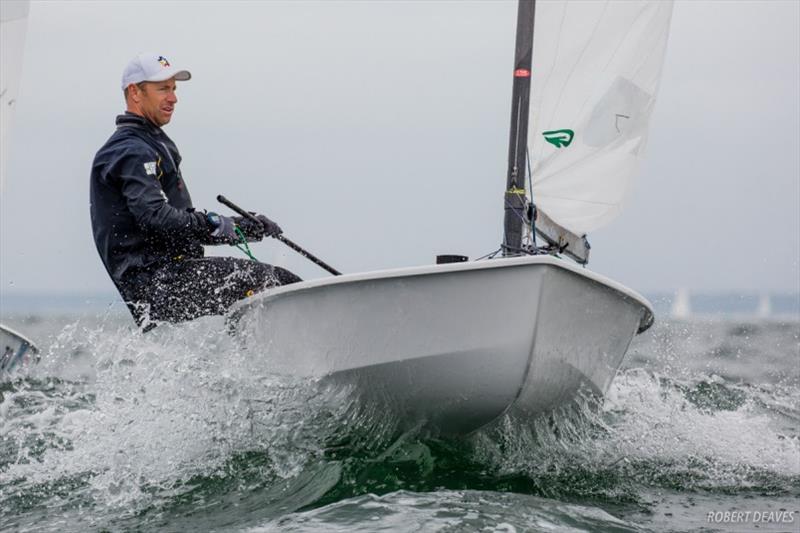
148	415
180	427
653	431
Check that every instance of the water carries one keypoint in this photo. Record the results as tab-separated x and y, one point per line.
178	431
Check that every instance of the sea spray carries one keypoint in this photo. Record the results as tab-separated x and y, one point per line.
652	432
180	429
156	411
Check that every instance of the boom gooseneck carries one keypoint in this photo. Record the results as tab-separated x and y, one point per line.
515	198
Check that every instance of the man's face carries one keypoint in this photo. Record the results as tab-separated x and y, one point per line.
157	101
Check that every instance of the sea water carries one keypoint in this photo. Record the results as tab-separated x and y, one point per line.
179	430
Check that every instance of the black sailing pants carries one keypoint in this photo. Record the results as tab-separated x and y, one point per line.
190	288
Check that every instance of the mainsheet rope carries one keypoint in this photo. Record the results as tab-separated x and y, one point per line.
245	248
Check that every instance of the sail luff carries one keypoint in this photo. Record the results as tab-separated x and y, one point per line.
13	26
515	199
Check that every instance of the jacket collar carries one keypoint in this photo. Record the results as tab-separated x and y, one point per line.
132	119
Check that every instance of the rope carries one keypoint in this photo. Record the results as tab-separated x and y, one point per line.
490	255
530	188
245	248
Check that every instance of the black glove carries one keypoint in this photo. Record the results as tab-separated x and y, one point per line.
271	228
257	231
224	228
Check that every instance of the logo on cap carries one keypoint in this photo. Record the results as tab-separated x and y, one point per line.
163	61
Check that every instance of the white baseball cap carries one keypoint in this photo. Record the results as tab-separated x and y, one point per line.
151	67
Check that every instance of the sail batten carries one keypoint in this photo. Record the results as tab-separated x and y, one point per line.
595	73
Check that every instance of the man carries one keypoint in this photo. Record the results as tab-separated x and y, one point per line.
147	232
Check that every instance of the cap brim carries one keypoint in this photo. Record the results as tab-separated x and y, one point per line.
179	75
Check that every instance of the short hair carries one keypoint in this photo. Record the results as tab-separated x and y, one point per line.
140	85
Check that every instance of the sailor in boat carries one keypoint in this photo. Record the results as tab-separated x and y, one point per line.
147	232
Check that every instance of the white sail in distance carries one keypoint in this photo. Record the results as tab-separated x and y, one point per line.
13	25
595	74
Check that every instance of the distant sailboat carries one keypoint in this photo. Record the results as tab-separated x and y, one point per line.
764	309
681	305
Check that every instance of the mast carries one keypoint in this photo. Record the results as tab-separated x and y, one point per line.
515	198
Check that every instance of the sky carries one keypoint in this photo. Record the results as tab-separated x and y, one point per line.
375	134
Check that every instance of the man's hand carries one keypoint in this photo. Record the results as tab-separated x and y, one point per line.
224	228
271	228
257	231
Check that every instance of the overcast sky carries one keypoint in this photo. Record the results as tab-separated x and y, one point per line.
376	135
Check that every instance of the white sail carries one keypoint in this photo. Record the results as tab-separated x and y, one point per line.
681	304
596	68
764	309
13	24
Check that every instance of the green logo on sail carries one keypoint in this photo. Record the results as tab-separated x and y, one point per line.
559	138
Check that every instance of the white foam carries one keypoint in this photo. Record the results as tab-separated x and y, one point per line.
648	422
155	410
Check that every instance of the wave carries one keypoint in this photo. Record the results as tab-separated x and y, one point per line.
177	427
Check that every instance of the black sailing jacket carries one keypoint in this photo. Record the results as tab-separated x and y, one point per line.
142	214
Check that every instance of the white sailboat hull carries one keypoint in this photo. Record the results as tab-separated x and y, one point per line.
452	346
16	351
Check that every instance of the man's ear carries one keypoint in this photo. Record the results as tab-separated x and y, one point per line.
134	93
